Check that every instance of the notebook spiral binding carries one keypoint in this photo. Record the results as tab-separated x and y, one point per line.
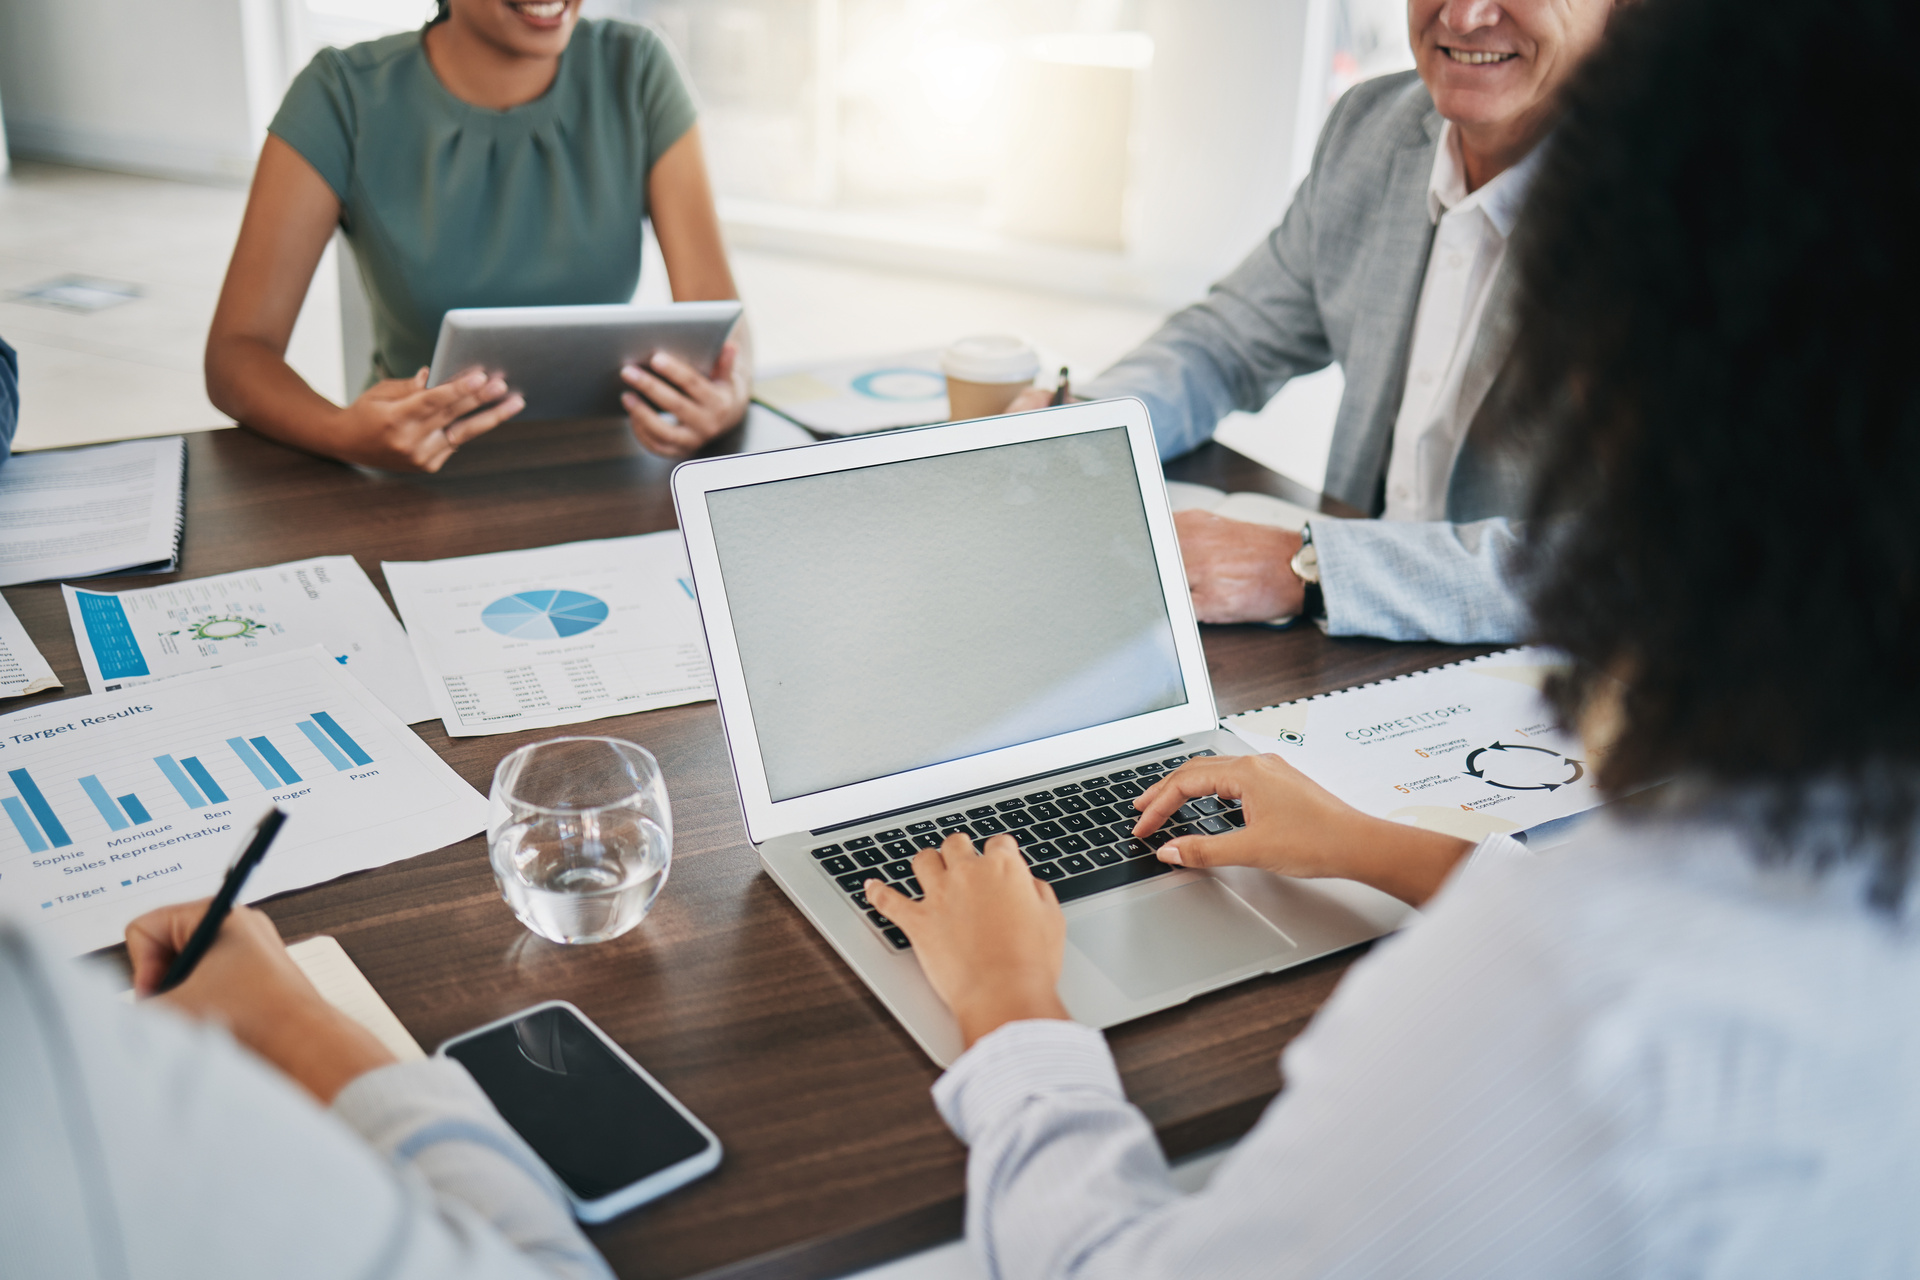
1372	684
180	508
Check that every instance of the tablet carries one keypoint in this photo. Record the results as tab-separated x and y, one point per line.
566	360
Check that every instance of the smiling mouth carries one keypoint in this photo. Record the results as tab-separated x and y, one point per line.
544	10
1477	57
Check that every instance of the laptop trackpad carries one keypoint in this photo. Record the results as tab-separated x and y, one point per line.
1179	937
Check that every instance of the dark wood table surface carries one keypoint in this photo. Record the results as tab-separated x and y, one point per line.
835	1157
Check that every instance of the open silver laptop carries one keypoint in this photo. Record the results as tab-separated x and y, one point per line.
984	627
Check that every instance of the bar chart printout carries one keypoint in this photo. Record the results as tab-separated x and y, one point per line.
32	816
121	802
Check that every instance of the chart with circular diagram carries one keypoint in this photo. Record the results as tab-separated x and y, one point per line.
226	627
1516	767
544	615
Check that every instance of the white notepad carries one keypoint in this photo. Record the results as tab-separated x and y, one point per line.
338	978
341	984
1253	508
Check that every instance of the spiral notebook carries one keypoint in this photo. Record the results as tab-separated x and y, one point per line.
80	513
1469	748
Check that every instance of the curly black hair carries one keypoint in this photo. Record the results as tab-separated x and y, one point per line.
1720	280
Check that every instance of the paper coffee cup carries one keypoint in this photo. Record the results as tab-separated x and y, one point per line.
985	373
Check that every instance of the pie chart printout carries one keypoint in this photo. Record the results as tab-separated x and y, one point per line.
544	615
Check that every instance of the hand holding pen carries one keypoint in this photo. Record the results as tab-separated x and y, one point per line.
246	981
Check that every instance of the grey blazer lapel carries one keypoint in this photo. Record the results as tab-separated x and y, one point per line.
1489	477
1396	269
1491	343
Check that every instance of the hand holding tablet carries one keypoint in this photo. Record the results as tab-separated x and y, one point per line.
402	424
568	362
675	408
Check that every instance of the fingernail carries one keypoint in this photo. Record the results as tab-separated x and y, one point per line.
1169	853
658	360
476	379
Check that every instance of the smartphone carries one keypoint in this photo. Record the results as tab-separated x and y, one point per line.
606	1128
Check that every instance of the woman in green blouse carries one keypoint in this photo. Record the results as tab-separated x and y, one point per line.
504	156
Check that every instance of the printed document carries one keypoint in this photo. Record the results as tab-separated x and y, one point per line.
555	635
78	513
116	803
130	638
1469	748
22	668
854	396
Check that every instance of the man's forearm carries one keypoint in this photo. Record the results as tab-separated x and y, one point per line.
1421	581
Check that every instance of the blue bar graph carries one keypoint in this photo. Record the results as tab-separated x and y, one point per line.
339	735
208	787
181	783
135	810
24	824
271	754
325	744
30	792
103	802
251	758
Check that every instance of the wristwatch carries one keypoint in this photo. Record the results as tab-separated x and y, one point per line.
1306	567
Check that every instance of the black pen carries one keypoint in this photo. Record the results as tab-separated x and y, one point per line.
1061	392
222	905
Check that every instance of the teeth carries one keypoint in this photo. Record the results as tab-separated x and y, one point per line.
1475	58
543	8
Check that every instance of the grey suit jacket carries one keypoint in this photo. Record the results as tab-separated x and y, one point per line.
1339	279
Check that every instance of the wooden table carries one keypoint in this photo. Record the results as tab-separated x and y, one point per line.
835	1158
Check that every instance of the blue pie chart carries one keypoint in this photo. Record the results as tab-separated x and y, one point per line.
544	615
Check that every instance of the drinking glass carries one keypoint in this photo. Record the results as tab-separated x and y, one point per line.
580	836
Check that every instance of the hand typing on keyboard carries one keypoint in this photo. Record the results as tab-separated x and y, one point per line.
989	934
1075	835
1293	827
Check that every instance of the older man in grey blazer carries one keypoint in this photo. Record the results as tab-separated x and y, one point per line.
1391	260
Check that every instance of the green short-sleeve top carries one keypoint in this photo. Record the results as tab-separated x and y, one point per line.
451	205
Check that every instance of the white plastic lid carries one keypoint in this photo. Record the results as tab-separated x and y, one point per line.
991	358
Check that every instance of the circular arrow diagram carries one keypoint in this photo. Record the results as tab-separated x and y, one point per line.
1475	771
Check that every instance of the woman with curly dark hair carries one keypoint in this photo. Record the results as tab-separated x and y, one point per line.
1687	1044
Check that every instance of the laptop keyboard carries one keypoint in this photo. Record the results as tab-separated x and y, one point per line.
1077	836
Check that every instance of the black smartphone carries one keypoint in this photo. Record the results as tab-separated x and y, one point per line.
606	1128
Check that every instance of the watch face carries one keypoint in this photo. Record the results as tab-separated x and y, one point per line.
1306	564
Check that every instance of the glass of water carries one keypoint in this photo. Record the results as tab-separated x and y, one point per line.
580	836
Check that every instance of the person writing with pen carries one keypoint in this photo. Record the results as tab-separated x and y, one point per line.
240	1118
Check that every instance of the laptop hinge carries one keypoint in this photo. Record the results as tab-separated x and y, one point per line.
980	791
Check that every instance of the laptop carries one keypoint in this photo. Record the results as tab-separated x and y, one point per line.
984	627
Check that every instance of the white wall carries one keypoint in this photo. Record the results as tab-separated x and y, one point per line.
1232	84
182	88
1214	161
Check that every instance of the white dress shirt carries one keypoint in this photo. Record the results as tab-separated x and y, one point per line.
1469	242
1641	1055
135	1145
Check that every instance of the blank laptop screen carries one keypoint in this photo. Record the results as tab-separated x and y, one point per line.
901	615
